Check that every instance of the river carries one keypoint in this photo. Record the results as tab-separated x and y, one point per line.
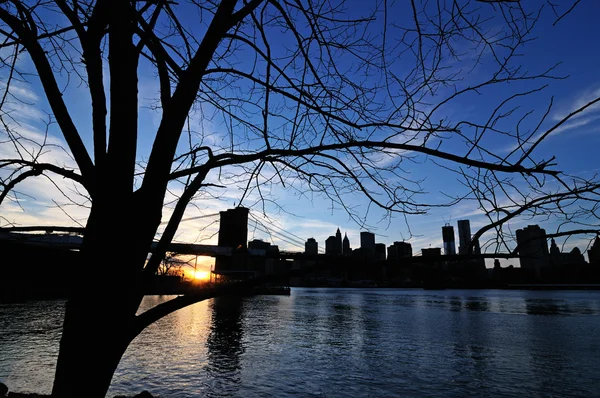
339	343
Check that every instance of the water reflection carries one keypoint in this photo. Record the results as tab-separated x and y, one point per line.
339	343
546	307
477	304
225	346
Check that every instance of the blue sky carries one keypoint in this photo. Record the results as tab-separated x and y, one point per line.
572	43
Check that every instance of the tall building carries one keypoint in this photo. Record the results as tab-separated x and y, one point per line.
346	245
554	250
233	229
533	249
448	237
399	250
311	247
338	242
464	236
331	245
380	251
367	241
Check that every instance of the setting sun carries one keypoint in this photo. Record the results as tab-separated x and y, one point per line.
202	275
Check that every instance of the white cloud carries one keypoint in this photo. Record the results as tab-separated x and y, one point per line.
580	99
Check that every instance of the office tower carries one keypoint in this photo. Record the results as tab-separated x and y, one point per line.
399	250
367	241
338	241
404	249
464	236
533	249
331	246
311	247
448	237
380	251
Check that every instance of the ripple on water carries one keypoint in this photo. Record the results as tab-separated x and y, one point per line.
338	343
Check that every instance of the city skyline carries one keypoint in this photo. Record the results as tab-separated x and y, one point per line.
138	122
315	215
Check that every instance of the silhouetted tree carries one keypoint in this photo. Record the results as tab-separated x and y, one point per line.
319	96
172	264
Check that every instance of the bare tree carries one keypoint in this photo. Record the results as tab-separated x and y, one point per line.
172	264
317	96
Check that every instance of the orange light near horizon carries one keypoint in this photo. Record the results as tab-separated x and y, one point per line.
202	275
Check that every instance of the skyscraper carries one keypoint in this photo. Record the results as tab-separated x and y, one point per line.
399	250
331	245
464	236
367	241
380	251
338	242
448	237
311	247
346	245
533	249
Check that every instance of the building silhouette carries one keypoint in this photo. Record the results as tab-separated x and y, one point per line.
338	242
311	247
465	237
331	245
267	262
448	238
367	241
533	249
431	252
346	245
380	251
398	250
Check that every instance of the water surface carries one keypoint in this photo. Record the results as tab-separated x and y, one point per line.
339	343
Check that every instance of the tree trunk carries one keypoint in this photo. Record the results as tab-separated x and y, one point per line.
102	306
95	337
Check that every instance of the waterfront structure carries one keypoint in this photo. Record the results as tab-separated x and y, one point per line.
311	247
367	241
533	249
266	263
346	245
448	238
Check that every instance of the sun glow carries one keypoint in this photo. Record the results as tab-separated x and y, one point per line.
202	275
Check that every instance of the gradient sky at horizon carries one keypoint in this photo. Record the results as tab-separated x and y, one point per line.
571	43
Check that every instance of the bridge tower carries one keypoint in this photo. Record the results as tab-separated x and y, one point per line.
233	229
233	232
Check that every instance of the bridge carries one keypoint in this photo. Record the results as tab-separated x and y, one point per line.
231	235
232	231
